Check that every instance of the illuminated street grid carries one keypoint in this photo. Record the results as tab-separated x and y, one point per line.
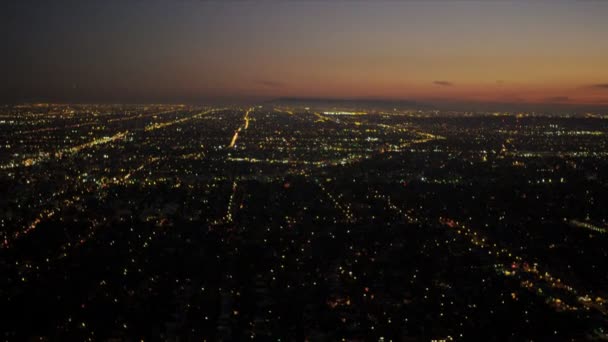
166	222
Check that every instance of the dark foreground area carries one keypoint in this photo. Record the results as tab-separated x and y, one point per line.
186	223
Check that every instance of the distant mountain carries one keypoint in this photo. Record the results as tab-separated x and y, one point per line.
348	103
442	105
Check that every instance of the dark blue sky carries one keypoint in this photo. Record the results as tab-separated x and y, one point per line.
174	51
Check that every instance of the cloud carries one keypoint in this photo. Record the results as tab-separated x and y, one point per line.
558	99
269	83
600	86
511	98
443	83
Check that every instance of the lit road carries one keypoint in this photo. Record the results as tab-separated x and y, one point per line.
244	126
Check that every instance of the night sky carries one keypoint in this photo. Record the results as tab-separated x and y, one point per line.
194	51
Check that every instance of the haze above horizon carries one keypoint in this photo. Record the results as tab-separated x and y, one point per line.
546	52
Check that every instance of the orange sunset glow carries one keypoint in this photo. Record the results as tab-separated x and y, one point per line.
497	52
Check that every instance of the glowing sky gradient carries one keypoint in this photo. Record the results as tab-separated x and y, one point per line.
172	51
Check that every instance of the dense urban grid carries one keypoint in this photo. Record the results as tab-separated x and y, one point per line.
292	222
